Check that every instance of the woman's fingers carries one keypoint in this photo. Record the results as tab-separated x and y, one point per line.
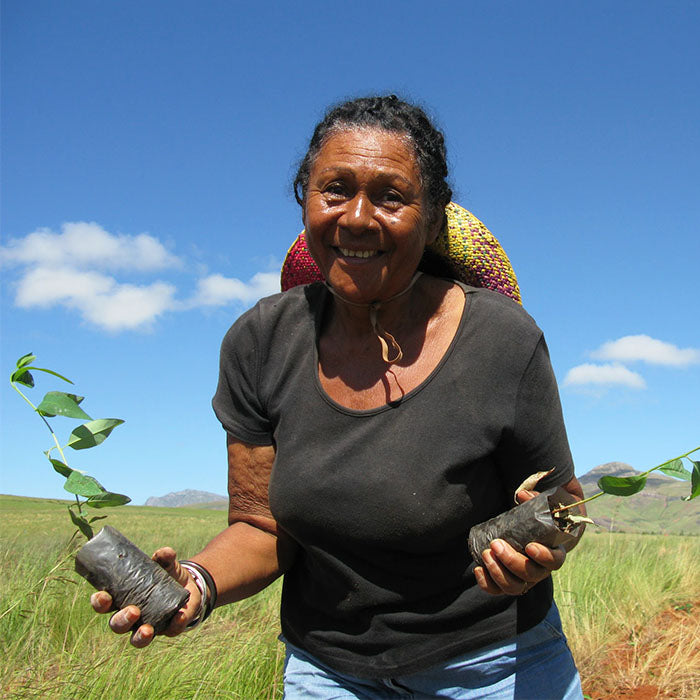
505	558
546	557
523	496
167	558
485	582
101	602
142	637
506	571
500	573
123	620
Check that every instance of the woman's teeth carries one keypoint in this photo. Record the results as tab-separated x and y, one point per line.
357	253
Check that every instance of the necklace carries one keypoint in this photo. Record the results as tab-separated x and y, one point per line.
374	307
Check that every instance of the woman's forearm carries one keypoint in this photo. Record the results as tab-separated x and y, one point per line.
244	559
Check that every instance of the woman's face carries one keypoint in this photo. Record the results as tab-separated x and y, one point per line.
365	218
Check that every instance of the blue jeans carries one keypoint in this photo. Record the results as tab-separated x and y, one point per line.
534	665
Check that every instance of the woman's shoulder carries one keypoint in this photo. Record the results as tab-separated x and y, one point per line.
498	306
276	312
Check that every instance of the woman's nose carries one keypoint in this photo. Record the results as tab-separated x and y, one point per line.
359	213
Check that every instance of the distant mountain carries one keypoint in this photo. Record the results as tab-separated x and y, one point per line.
658	509
188	497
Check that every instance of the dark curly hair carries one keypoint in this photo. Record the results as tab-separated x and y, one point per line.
390	114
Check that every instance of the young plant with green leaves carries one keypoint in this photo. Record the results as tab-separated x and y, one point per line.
554	517
88	492
625	486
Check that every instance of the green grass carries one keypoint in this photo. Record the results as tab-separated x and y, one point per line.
53	645
612	585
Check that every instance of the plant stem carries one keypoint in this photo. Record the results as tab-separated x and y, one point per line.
602	493
14	386
53	435
579	503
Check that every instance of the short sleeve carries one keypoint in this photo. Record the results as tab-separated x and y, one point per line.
237	402
537	439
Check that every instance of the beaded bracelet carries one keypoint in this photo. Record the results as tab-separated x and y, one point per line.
202	586
207	582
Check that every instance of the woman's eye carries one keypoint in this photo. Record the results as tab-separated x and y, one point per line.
335	188
393	197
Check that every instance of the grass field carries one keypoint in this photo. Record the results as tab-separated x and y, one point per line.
54	646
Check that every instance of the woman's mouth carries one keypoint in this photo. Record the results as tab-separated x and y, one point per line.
349	253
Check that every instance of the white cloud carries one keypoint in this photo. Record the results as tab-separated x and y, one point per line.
99	299
86	245
604	375
129	306
44	287
71	269
217	290
632	348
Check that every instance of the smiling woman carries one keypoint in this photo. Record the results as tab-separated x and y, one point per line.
365	215
370	424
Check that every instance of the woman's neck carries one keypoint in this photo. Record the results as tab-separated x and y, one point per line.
351	369
356	320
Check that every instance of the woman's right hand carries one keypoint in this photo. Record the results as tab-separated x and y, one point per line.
123	620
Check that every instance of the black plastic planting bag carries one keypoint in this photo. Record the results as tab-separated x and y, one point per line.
112	563
531	521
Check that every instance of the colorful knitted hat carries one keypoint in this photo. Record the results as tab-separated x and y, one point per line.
464	250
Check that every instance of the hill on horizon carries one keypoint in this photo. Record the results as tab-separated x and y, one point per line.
189	497
658	509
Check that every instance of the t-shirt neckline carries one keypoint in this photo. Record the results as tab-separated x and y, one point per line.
410	394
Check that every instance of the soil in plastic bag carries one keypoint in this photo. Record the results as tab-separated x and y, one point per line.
112	563
531	521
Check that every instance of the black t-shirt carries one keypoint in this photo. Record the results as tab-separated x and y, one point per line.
381	501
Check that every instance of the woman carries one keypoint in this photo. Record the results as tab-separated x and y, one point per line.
370	423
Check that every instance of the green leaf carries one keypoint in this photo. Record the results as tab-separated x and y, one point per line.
58	403
675	468
694	482
22	376
92	433
83	485
82	524
50	371
78	400
61	467
95	518
26	359
622	485
107	500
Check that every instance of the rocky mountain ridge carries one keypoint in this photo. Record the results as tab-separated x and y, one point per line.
659	508
589	480
188	497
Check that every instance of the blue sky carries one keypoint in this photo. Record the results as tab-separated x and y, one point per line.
147	154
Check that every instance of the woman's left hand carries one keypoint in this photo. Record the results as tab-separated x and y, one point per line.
508	572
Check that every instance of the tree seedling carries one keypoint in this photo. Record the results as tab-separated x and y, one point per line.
109	561
629	485
555	517
88	492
